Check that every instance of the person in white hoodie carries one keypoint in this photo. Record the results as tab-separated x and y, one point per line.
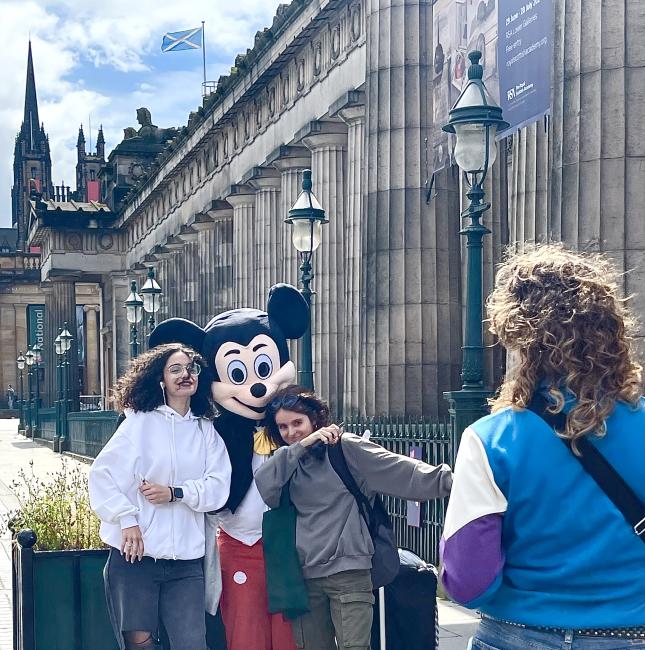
164	467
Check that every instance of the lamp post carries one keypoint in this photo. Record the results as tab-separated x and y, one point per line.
58	348
134	313
474	120
151	295
306	216
62	344
20	362
38	350
30	358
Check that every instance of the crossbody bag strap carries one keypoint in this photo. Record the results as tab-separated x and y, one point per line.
600	469
339	464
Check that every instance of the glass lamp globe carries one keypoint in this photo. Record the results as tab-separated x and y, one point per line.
66	339
306	235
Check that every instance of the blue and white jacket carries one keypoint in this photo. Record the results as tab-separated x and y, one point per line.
529	536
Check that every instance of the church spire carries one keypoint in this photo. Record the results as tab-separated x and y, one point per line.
100	143
31	123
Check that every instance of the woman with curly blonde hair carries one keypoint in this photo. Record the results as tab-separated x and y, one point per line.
530	538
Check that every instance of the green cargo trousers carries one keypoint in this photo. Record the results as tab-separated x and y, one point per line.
341	613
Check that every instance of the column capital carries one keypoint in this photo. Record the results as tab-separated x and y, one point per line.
289	157
262	178
350	107
319	133
219	209
201	220
120	278
88	308
240	195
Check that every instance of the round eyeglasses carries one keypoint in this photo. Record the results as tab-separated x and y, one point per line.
178	369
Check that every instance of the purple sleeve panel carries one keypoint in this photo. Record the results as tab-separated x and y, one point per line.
472	559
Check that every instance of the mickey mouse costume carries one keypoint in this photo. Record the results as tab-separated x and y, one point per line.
247	352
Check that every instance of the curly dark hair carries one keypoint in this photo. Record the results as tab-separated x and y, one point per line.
139	388
562	312
300	400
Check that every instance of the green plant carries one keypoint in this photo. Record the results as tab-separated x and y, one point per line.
56	509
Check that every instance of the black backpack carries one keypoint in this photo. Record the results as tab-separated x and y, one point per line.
385	561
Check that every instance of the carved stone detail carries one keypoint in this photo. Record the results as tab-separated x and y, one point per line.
335	42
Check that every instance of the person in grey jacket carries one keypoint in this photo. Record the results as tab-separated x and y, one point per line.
333	541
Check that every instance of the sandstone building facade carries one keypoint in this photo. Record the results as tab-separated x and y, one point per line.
344	87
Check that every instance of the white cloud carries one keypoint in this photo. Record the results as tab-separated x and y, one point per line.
80	48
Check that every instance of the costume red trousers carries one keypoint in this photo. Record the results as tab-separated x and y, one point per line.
244	607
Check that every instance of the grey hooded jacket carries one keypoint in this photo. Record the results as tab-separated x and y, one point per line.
331	535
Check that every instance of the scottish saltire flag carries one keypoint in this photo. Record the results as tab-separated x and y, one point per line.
189	39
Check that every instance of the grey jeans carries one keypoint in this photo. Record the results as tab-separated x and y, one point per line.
341	613
142	595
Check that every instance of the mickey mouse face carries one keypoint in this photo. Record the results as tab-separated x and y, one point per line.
249	375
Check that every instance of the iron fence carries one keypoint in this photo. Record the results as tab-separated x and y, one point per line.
418	526
89	431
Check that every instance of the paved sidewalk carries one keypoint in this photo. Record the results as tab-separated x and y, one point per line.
456	623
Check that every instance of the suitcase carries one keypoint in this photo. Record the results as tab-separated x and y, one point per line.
410	608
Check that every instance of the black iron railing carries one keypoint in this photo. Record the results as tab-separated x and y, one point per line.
418	526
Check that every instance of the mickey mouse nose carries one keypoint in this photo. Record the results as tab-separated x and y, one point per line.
258	390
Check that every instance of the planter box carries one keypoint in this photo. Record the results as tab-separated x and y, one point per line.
59	599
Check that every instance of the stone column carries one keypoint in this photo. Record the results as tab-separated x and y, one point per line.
60	308
92	361
598	134
216	253
268	229
119	290
242	198
404	279
352	112
528	181
290	161
9	345
328	144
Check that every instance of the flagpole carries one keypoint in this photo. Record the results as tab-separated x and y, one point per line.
204	56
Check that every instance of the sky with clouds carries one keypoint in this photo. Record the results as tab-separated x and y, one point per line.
103	60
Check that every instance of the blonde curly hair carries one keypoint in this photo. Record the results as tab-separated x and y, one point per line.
561	312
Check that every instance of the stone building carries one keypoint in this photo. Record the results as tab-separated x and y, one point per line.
27	292
344	87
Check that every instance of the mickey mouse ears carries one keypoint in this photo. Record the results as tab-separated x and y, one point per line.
178	330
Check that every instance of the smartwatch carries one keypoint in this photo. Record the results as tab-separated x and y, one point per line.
177	494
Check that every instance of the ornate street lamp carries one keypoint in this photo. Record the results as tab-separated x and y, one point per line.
20	362
58	348
151	295
475	120
134	313
30	358
306	216
62	344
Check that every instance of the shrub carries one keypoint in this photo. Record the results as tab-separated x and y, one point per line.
56	509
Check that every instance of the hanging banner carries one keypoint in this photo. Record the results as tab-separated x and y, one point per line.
525	46
35	324
515	39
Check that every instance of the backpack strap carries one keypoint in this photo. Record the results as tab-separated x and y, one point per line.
600	469
339	463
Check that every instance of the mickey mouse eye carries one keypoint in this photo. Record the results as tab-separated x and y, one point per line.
263	366
236	372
